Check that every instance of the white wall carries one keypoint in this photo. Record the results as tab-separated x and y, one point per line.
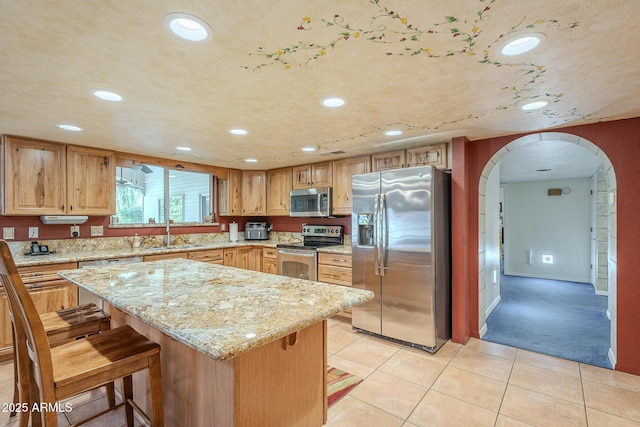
492	241
548	225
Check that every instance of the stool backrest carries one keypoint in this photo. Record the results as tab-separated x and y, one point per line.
32	344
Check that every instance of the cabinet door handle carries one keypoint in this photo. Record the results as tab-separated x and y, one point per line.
289	341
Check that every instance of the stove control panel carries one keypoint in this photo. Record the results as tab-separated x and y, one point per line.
322	230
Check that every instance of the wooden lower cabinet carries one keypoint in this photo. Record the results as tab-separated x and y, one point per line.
335	269
250	258
48	291
282	383
269	260
6	336
231	257
247	257
214	256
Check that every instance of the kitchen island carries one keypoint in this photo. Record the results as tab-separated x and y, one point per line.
239	347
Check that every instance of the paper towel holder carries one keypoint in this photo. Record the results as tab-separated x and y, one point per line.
233	232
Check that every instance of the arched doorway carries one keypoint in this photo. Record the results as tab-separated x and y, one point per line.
486	237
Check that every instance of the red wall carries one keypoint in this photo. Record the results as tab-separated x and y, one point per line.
49	232
620	141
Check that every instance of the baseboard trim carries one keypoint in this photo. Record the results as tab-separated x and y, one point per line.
492	307
612	358
483	330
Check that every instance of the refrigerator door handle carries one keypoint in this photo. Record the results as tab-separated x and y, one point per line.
383	234
376	232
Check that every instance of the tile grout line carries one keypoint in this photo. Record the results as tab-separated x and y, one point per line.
504	394
584	397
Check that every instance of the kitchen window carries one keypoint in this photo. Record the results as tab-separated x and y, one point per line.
141	191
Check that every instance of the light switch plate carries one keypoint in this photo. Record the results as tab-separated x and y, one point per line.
8	233
97	230
33	232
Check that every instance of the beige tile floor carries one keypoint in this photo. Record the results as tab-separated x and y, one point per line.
479	384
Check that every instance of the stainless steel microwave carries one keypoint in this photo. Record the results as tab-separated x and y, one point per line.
310	202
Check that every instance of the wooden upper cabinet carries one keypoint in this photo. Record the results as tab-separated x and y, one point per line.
388	160
91	181
254	193
47	178
342	172
301	177
234	192
435	155
34	180
314	175
278	191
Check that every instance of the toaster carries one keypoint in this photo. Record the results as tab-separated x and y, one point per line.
257	230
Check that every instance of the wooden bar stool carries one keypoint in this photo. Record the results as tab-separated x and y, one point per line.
57	373
63	326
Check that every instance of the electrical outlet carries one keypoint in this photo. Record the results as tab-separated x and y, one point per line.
75	230
8	233
97	230
223	227
33	232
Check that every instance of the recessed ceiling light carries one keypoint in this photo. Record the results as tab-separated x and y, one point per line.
521	44
238	131
183	148
333	102
107	96
69	127
393	132
251	160
187	27
534	105
308	149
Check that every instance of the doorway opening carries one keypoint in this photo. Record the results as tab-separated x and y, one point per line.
603	224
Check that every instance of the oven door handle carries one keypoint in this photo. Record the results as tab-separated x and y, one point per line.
310	254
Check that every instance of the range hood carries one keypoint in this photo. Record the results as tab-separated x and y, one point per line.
64	219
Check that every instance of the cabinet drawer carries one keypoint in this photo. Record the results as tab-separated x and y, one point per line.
269	252
334	275
44	273
334	259
165	256
215	256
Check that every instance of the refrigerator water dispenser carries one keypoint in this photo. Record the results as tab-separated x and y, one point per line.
365	229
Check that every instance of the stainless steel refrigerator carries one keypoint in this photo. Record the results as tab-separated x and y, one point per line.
401	252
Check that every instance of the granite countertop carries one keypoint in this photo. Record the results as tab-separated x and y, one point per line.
220	311
22	260
90	255
338	249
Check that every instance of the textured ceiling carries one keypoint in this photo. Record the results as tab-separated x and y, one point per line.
429	68
548	160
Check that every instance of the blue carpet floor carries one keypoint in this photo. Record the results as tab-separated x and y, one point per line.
562	319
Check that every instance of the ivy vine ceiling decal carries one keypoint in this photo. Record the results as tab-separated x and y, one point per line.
430	69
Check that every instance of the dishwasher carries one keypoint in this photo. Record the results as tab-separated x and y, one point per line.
84	296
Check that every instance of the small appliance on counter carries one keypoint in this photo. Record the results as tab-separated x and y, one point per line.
257	230
37	249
